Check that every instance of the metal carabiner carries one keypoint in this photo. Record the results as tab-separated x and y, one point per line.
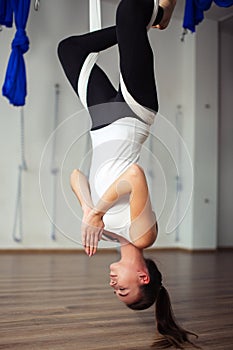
36	5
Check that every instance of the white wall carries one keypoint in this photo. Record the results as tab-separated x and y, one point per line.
225	236
46	28
206	139
188	81
169	59
175	65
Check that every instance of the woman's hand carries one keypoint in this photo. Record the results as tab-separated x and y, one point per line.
168	8
92	228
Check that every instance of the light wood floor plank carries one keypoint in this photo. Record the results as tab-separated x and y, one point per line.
63	301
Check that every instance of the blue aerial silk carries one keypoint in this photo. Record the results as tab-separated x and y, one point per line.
6	13
194	11
15	85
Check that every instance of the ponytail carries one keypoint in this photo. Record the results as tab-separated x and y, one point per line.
154	292
173	333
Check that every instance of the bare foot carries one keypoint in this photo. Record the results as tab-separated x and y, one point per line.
168	7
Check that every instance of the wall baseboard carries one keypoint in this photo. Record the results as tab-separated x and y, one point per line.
108	250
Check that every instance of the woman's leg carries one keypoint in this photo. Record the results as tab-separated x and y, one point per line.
131	29
136	56
78	55
73	53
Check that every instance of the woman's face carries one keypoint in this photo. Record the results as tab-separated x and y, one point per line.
125	281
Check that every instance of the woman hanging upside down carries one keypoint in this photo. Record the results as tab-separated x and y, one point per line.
115	199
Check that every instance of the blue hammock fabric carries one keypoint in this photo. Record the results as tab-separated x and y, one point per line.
194	11
6	13
15	85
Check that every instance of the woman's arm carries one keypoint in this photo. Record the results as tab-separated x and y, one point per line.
168	8
81	189
92	227
143	229
92	218
132	182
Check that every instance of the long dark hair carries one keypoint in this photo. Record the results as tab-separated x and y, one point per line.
154	292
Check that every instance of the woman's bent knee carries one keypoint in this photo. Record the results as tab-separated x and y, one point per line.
64	47
61	48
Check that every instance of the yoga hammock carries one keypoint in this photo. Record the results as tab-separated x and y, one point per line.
14	87
18	219
95	23
94	15
6	13
194	11
54	169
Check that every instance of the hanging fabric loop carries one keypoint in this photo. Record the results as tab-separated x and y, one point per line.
18	218
203	4
6	13
94	15
36	5
22	141
194	11
179	176
54	167
95	23
14	87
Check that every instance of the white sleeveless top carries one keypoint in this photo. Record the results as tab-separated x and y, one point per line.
115	148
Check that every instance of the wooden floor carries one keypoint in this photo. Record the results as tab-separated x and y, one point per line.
63	301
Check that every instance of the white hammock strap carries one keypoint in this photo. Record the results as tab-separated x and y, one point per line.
95	20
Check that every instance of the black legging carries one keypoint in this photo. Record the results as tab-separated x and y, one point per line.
136	61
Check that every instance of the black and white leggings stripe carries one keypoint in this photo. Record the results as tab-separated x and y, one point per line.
78	56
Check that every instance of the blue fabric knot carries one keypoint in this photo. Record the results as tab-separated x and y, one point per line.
194	11
15	85
20	41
